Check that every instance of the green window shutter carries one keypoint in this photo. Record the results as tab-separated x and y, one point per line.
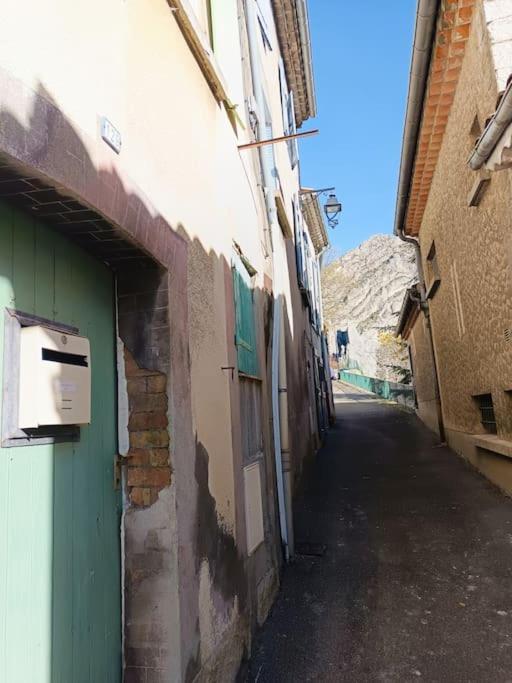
245	332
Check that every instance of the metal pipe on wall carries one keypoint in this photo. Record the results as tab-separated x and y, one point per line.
279	408
276	412
426	16
285	437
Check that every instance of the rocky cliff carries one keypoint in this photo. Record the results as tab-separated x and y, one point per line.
363	292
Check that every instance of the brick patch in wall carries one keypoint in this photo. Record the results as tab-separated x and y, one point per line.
148	468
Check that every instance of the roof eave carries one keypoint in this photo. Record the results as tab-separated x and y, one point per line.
292	24
426	15
312	212
408	313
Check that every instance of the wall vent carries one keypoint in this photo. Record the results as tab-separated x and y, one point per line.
508	335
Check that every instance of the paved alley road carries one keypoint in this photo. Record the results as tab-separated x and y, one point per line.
416	581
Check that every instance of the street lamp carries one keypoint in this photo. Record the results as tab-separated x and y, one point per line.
332	208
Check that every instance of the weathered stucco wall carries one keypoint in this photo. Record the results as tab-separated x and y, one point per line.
473	250
179	170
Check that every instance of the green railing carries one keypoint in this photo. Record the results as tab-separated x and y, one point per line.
391	391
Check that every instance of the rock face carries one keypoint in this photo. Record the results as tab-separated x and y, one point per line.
363	292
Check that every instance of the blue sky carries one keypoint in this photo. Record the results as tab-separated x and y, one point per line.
361	55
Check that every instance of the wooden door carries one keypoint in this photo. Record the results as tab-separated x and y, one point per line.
60	595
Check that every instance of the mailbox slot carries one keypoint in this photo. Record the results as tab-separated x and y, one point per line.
66	358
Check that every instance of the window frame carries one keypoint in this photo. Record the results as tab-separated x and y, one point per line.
288	114
433	271
485	402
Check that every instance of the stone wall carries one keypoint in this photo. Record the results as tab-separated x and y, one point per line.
424	374
148	467
472	308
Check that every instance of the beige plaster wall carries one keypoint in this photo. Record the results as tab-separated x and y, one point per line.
473	356
128	61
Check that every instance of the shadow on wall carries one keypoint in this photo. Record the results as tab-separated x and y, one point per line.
58	199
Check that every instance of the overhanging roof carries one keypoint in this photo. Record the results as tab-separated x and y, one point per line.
312	213
439	46
409	312
291	17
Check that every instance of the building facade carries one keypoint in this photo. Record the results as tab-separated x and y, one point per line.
457	213
146	544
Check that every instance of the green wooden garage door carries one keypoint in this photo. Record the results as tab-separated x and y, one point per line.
60	605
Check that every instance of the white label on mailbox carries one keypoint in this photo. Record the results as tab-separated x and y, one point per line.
68	387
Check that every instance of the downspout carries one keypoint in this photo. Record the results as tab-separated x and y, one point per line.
285	438
426	16
281	497
279	398
425	309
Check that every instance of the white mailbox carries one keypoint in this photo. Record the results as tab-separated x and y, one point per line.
55	378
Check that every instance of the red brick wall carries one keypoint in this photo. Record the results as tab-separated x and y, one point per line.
148	465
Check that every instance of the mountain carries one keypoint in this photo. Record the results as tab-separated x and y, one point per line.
363	292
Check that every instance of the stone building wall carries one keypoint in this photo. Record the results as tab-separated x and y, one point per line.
472	308
424	374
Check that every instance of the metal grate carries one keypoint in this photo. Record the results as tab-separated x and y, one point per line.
487	416
508	335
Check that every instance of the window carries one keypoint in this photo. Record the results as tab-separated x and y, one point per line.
268	150
202	12
433	276
300	252
292	144
288	110
487	416
245	331
457	300
283	89
250	419
475	131
317	296
264	35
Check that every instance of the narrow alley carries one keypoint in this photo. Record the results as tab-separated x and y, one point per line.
414	582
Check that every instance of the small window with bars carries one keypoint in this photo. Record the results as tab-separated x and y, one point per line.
487	416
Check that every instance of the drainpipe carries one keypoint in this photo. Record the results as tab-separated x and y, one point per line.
426	16
285	438
276	412
279	383
423	301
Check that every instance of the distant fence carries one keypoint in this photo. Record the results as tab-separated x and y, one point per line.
392	391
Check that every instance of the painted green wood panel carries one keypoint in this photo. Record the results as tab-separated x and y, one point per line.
245	332
60	595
